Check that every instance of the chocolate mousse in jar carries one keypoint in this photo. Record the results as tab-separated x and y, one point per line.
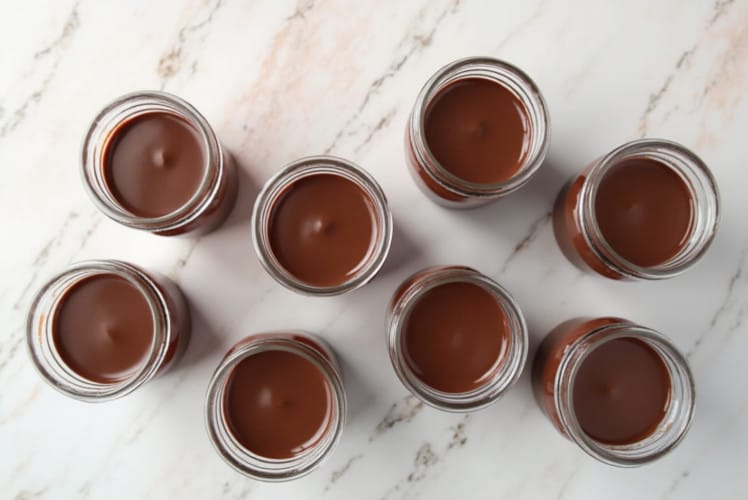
647	210
478	131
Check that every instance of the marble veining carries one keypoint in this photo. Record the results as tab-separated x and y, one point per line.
283	79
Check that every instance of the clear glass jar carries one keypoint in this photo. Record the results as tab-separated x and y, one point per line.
575	222
279	184
171	329
408	295
441	185
558	360
303	344
212	201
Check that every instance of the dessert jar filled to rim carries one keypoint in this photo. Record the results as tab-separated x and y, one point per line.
322	226
151	161
647	210
457	339
101	329
275	406
587	368
476	132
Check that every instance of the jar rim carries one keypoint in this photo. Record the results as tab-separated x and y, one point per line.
653	446
516	81
314	165
687	165
102	131
40	329
225	443
501	381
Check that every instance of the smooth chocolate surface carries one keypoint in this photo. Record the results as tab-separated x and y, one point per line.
103	328
478	130
154	163
455	337
278	404
621	391
644	211
323	229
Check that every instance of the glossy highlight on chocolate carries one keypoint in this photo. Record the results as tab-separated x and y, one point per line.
455	337
621	392
323	229
103	328
478	130
644	211
278	404
154	163
649	209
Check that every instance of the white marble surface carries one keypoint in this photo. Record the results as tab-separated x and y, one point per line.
279	80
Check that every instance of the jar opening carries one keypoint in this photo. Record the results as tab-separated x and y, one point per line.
455	337
322	226
296	416
438	358
103	328
81	354
624	394
621	391
323	229
154	164
277	404
649	209
479	130
450	94
172	166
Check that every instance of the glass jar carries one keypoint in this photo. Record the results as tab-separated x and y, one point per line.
310	348
171	329
557	363
515	351
280	184
440	184
214	198
576	226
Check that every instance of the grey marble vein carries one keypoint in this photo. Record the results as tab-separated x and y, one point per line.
30	494
416	43
522	26
565	485
244	492
424	460
402	411
303	7
675	484
459	434
339	473
182	260
57	47
41	259
171	62
733	300
383	123
721	7
532	233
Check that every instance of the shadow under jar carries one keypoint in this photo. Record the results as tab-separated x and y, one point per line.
620	391
322	226
479	130
647	210
103	328
152	162
275	406
457	340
